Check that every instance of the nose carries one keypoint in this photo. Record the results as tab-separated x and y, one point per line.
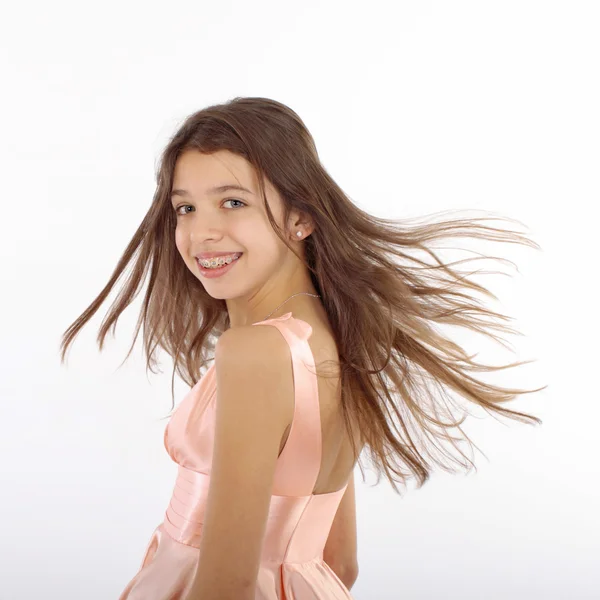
200	238
204	227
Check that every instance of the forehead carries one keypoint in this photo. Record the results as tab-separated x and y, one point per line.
197	172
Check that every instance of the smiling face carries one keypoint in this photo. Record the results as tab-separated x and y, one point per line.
212	217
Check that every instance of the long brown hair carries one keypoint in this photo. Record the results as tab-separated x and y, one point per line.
398	372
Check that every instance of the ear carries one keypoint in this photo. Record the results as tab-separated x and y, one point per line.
300	221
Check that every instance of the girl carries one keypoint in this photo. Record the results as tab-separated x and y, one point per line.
260	265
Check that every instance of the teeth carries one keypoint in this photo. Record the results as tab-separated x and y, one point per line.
217	261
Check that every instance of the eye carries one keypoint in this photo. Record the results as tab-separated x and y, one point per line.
235	200
228	200
179	208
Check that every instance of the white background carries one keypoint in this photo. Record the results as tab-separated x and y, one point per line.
415	107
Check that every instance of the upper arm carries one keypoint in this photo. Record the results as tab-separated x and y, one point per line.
249	424
341	547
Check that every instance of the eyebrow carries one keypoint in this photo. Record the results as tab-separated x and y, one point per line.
214	190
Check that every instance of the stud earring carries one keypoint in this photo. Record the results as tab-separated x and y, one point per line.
299	233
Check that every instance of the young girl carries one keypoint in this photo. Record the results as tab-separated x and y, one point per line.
262	266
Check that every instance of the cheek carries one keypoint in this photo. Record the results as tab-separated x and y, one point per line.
266	254
255	238
180	243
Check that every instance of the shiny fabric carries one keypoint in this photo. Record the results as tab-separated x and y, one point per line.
292	565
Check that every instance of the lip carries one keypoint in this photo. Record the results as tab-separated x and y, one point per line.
214	254
213	273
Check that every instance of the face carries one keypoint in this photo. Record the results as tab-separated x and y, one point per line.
210	220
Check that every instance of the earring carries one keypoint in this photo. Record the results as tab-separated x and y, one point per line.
299	233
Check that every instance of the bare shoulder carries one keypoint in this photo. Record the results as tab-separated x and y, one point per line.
253	363
253	344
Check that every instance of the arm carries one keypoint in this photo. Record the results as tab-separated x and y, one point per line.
340	551
249	423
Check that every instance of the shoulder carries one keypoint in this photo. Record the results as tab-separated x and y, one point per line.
252	345
253	366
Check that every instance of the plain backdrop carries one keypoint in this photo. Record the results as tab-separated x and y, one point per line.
416	107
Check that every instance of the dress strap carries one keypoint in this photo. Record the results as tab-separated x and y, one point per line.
299	463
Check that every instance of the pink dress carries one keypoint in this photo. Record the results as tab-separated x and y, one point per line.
292	565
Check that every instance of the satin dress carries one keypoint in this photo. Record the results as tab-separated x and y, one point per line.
292	565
